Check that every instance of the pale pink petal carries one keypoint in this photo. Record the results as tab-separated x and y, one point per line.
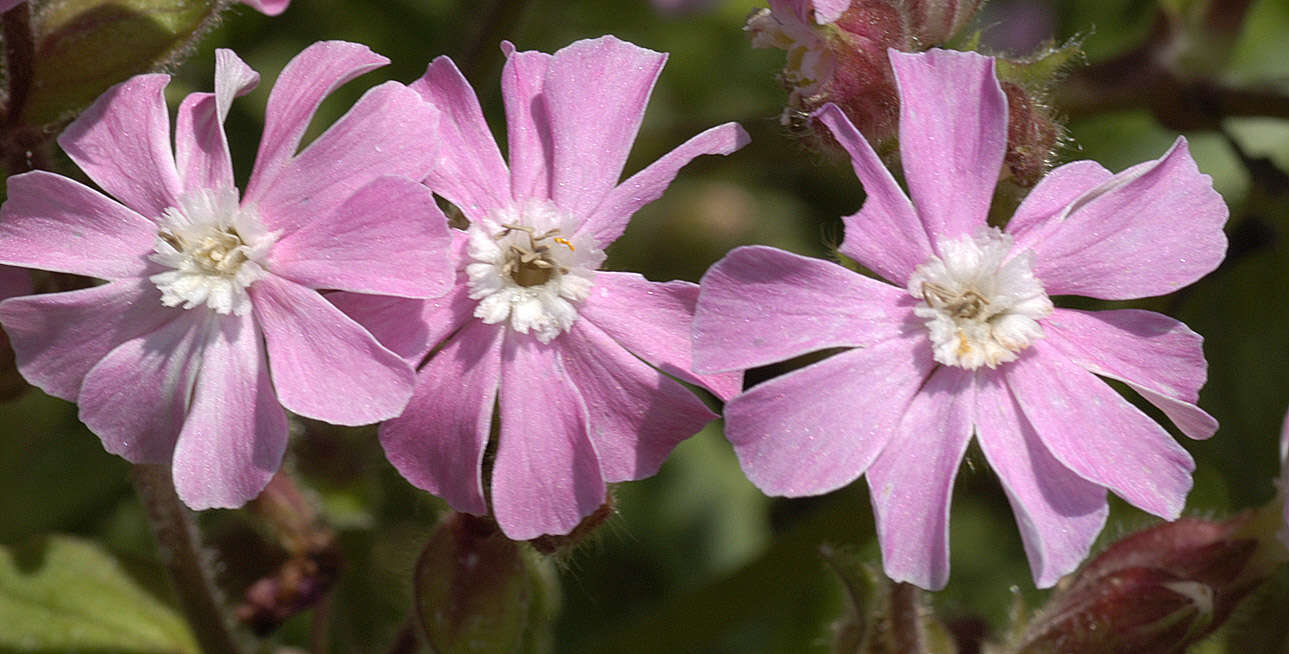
469	170
58	337
1056	191
547	476
123	143
406	326
309	77
267	7
819	428
136	397
1148	230
235	434
911	483
1059	513
1157	356
596	91
952	151
389	131
799	9
389	238
325	365
886	235
438	442
637	414
528	137
1096	433
827	11
14	282
759	305
51	222
611	217
652	321
201	148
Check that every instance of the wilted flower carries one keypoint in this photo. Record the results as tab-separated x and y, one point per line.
965	338
562	349
167	360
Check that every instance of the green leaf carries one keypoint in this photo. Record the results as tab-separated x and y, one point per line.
59	593
85	46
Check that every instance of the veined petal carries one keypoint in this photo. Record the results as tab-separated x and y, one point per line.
759	305
819	428
438	442
611	217
308	78
1126	452
235	434
1148	230
54	223
1157	356
596	91
952	152
547	475
325	365
389	131
201	147
637	414
886	234
58	337
409	327
469	170
389	238
652	321
1053	193
123	143
911	483
136	397
527	124
1059	513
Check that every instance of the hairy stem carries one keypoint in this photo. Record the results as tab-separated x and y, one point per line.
906	630
177	539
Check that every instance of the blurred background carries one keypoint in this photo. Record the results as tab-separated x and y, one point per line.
696	559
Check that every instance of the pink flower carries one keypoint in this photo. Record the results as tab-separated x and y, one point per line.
567	352
267	7
167	360
1284	478
964	338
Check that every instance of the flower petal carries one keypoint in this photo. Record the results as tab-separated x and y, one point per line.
596	91
308	78
952	151
886	234
1059	513
637	414
389	238
611	217
136	397
409	327
911	483
389	131
236	432
123	143
438	442
759	305
652	321
51	222
469	170
1148	230
547	476
819	428
1157	356
268	7
201	148
325	365
827	11
1053	193
528	137
58	337
1125	451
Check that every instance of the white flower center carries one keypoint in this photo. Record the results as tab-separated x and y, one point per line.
528	266
213	248
981	307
